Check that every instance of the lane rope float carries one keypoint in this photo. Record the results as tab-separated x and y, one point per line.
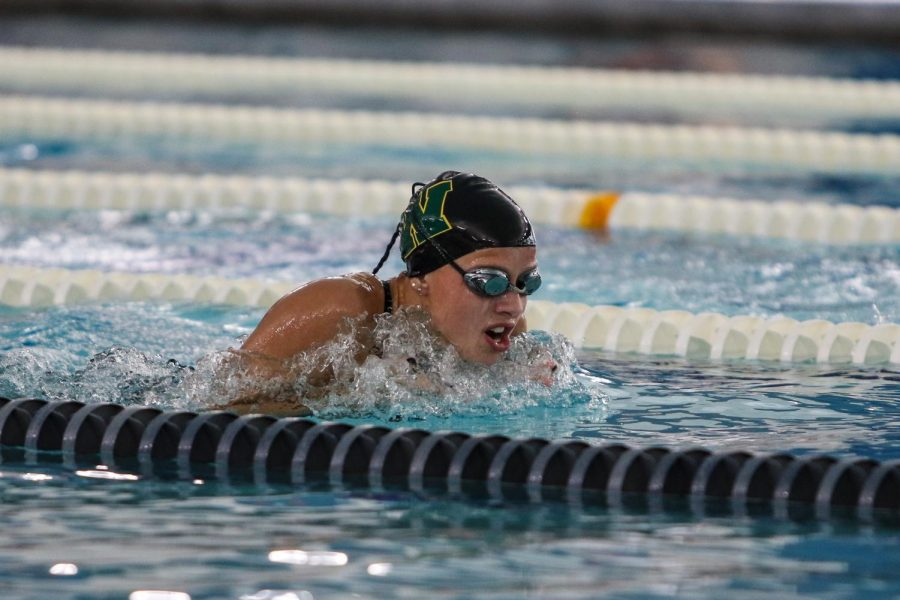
804	221
645	331
703	147
24	286
166	191
294	450
50	69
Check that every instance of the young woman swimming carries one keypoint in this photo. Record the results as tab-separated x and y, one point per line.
471	264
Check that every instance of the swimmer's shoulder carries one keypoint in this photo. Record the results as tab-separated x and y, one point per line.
367	291
352	295
314	312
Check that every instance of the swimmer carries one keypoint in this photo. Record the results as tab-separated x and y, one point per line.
471	264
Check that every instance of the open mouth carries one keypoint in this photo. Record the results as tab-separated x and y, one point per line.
498	337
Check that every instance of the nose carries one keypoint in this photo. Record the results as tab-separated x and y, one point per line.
511	303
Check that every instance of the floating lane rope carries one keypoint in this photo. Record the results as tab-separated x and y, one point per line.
706	147
612	328
808	221
716	336
804	221
29	287
263	449
48	69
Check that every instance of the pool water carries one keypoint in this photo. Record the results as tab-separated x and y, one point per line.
216	541
660	270
87	532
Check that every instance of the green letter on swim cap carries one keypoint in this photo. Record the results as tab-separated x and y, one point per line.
430	209
455	214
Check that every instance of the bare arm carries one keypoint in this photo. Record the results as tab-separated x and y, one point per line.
304	319
312	315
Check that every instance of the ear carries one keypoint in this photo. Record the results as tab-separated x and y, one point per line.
421	286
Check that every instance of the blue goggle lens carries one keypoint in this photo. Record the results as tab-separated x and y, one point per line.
492	283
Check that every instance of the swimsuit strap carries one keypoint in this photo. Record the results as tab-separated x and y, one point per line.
388	299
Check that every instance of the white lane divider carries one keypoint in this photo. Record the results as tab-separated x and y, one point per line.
165	191
807	221
617	329
35	287
98	72
716	336
706	147
785	219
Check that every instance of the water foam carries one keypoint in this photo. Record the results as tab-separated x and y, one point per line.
413	374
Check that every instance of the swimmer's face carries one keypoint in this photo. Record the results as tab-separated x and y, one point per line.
478	327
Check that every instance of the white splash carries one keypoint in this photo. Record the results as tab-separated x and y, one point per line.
407	371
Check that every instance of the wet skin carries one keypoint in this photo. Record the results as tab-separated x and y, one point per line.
312	315
470	322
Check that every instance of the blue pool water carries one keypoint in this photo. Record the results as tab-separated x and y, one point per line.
218	542
85	532
660	270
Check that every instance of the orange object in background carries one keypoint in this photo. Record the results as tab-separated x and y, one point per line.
596	211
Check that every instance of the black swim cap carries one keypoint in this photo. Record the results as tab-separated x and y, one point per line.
460	213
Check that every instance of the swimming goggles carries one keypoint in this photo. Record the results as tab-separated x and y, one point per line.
486	281
491	283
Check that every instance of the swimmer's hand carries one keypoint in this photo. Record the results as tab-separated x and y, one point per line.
543	368
410	374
